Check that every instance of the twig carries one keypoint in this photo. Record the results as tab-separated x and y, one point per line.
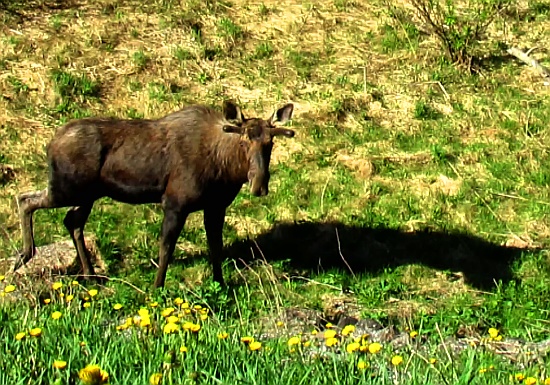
341	255
111	279
318	283
154	263
524	57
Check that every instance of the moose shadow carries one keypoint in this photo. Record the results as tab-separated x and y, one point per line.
321	246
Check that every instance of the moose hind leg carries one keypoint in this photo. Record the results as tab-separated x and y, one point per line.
74	221
28	203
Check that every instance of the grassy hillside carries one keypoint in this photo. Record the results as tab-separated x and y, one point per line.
415	193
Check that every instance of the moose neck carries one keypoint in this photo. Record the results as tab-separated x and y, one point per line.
231	161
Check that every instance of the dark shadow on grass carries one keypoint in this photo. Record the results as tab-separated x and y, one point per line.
321	246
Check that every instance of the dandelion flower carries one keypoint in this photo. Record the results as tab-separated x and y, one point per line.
329	325
117	306
93	375
20	336
204	317
348	329
36	332
143	312
170	328
178	301
155	379
86	305
56	315
195	328
172	319
482	370
375	347
223	335
74	283
2	277
396	360
185	305
280	323
183	349
247	340
197	307
58	364
294	341
330	334
314	332
530	381
432	361
493	332
519	376
57	285
187	325
255	345
47	300
331	341
145	321
82	343
498	338
9	289
353	347
69	297
362	365
547	381
92	293
307	343
167	312
413	334
363	348
154	304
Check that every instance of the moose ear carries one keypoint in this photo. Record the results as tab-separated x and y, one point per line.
232	112
233	129
282	115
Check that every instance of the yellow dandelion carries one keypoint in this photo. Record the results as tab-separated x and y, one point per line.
178	301
185	305
353	347
362	365
482	370
195	328
183	349
331	341
498	338
19	336
396	360
143	312
255	345
187	311
62	295
154	304
247	340
205	311
86	305
155	379
374	348
167	312
92	293
294	341
329	325
413	334
307	343
314	332
58	364
223	335
117	306
170	328
82	344
145	321
493	332
363	348
122	327
280	323
547	381
93	375
69	297
187	325
9	289
530	381
57	285
74	283
2	277
47	300
36	332
56	315
348	329
172	319
204	317
432	361
519	376
197	307
330	334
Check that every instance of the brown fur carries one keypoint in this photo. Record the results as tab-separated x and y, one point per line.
193	159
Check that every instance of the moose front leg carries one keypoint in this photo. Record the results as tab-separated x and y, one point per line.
214	219
172	224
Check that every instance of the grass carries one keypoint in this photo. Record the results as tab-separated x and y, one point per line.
413	195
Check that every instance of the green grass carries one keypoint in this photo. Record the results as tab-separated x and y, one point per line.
429	183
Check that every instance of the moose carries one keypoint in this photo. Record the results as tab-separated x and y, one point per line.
196	158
